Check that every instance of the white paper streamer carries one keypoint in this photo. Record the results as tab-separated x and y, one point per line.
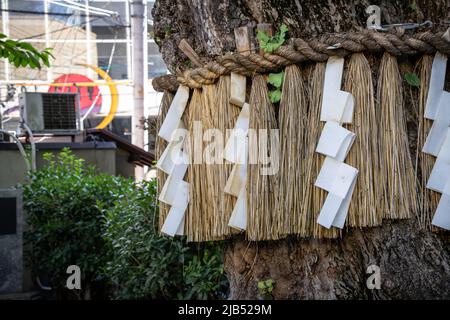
334	203
237	142
436	87
236	151
438	140
335	141
440	175
336	177
440	125
237	180
174	223
238	219
441	217
173	116
173	149
174	161
238	85
337	105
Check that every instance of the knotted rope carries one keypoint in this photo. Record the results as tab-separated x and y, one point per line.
166	82
300	50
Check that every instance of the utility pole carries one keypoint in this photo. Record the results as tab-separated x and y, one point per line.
138	35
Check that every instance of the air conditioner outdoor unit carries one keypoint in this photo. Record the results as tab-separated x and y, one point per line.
55	113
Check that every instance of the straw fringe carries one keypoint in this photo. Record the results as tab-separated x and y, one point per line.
288	202
160	146
206	207
365	151
186	147
292	118
226	117
263	222
213	193
397	173
425	162
195	218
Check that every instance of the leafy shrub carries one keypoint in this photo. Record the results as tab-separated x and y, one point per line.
147	265
204	275
62	204
106	225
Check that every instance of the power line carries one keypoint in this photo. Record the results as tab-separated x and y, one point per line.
77	25
74	25
62	29
65	14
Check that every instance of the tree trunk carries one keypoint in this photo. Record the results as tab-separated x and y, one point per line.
413	263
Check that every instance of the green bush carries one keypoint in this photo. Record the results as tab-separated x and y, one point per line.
106	225
62	201
147	265
204	275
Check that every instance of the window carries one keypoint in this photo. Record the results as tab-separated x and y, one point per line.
25	6
150	5
109	32
116	53
26	19
68	57
77	36
120	125
114	27
156	65
67	14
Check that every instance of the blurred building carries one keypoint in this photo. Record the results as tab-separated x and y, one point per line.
80	32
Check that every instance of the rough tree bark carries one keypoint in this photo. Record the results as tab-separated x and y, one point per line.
413	263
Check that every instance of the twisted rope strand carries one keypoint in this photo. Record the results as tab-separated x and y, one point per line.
299	50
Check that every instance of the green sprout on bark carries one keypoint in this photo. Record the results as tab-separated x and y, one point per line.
276	80
412	79
271	43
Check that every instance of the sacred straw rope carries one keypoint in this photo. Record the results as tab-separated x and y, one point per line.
397	177
397	43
